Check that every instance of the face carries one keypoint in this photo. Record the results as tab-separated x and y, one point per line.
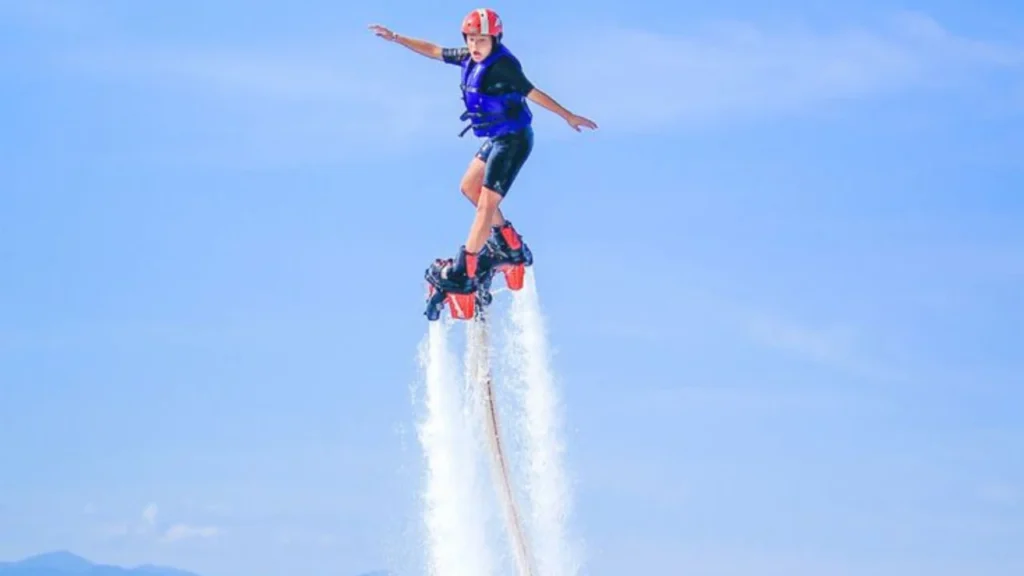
480	46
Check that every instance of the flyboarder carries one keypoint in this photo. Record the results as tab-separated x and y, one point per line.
495	92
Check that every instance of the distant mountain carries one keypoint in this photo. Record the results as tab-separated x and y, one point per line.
64	563
67	564
60	561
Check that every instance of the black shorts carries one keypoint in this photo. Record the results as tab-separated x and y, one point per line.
504	156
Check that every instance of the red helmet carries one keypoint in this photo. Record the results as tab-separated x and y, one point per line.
482	21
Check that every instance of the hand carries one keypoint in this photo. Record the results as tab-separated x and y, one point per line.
383	32
576	121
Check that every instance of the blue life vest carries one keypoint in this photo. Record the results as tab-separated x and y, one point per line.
491	116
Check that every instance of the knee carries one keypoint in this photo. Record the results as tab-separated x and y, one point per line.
489	200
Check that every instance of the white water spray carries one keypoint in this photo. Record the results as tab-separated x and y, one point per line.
455	508
547	486
487	414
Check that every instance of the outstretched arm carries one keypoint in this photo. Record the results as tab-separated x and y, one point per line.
423	47
540	97
428	49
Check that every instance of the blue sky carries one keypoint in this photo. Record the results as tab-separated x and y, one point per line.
802	352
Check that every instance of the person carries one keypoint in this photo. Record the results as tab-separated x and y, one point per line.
495	93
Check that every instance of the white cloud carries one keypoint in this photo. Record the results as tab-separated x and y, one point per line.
633	79
149	514
149	526
178	532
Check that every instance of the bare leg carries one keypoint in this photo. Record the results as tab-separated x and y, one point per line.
472	183
486	212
